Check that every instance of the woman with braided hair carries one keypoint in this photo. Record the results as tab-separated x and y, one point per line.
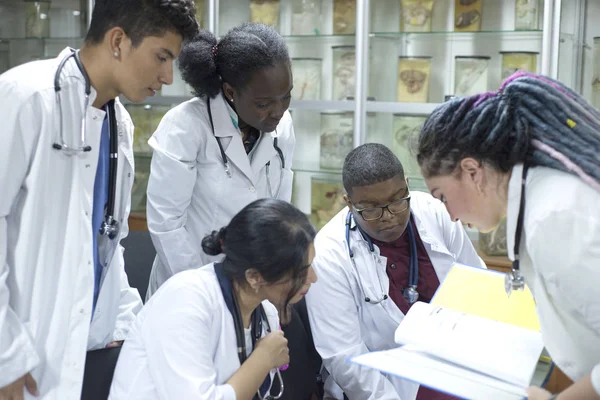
533	139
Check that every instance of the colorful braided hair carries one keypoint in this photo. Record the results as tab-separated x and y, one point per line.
531	118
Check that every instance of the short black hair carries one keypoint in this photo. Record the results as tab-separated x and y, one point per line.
206	64
142	18
269	235
369	164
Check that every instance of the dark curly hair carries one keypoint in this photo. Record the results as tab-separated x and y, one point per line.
142	18
206	64
531	119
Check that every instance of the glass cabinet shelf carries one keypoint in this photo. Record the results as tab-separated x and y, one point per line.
314	168
500	34
319	37
14	52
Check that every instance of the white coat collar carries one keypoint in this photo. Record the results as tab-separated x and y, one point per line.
234	150
427	238
70	69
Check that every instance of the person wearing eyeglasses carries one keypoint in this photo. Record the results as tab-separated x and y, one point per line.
387	249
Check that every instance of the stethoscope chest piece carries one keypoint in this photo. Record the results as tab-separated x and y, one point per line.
513	281
109	227
410	294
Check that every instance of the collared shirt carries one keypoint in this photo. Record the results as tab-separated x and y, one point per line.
398	269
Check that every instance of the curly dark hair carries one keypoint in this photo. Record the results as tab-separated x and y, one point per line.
206	64
142	18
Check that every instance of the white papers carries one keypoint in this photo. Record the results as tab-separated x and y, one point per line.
461	354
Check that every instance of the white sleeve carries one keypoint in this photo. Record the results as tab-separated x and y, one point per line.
170	188
20	122
596	379
177	335
564	242
130	302
335	325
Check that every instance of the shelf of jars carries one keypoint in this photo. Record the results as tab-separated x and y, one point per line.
579	49
34	30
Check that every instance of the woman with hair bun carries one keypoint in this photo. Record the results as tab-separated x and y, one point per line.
230	145
213	332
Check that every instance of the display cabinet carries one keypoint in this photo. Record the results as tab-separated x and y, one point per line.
578	57
35	30
363	70
373	70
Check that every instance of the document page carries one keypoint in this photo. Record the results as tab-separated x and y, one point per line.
481	292
439	375
504	351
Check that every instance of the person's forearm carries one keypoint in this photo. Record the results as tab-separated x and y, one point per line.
580	390
248	378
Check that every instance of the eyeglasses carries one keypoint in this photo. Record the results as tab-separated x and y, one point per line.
374	213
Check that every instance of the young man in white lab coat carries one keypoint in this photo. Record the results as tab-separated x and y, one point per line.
63	289
356	305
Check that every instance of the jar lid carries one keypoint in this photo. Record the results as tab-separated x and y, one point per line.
417	57
519	52
307	58
344	47
410	115
337	113
475	57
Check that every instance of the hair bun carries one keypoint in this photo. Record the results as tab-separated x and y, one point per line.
212	244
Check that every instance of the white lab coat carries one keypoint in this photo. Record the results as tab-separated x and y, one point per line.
46	261
183	343
343	325
560	261
189	193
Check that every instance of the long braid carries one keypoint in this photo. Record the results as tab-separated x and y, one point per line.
531	118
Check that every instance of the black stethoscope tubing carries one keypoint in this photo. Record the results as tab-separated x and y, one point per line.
224	156
109	226
413	277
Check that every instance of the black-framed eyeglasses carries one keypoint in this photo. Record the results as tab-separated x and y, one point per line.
374	213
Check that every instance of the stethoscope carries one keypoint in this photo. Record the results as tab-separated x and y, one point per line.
514	280
109	227
226	162
258	319
410	293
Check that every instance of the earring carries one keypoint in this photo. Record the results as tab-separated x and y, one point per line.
232	99
256	290
116	54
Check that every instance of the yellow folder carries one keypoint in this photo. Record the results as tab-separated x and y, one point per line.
481	292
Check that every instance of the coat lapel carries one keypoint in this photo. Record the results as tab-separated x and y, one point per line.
265	151
230	137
